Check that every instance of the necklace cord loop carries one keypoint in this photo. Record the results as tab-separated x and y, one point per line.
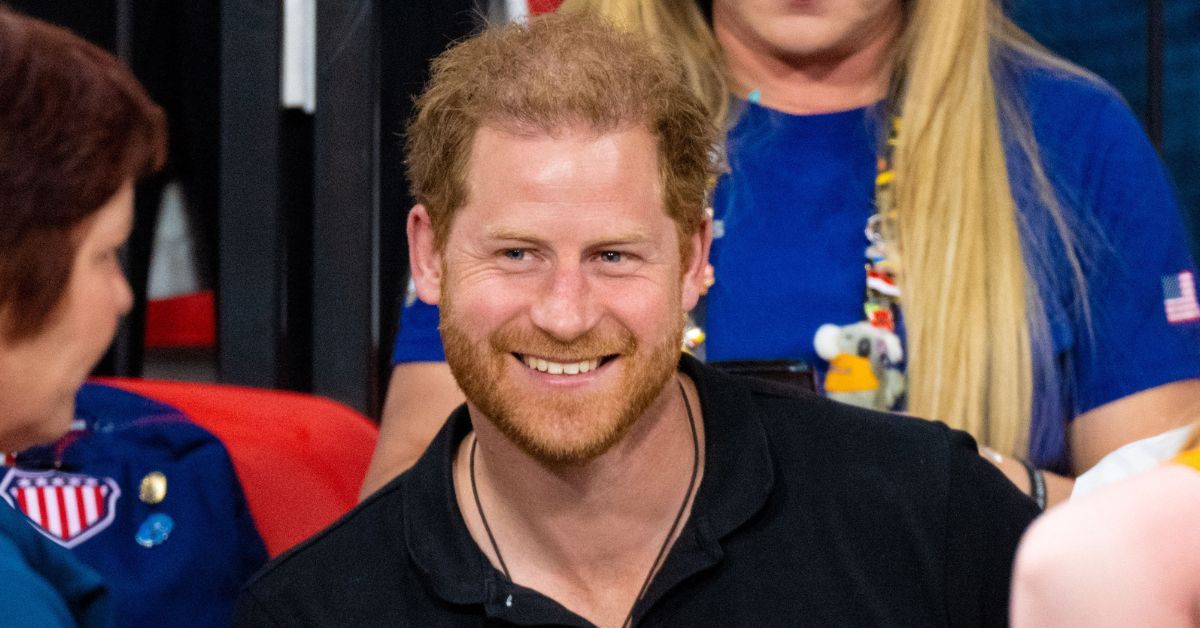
662	551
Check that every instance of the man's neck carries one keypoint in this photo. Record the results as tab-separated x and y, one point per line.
809	85
585	535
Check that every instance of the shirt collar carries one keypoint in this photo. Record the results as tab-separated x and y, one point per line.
738	477
437	537
738	469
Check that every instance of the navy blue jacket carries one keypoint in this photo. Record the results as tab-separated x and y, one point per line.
176	561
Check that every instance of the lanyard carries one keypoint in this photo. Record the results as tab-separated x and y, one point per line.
882	303
864	357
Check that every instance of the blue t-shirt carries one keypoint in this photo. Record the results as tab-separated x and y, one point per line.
789	243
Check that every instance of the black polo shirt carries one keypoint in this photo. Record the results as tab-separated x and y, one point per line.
809	513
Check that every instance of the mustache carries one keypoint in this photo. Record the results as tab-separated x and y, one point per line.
593	343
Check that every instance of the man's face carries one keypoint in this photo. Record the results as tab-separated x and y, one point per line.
562	288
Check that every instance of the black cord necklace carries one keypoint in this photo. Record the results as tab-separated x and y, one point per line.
670	533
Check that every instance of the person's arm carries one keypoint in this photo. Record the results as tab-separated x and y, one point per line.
1103	430
1058	488
420	397
1122	556
1133	367
1100	431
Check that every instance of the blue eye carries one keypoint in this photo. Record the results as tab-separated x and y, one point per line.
514	254
612	256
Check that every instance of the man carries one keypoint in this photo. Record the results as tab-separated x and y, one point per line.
594	476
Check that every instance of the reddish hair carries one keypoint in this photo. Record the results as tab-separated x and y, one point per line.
556	71
74	126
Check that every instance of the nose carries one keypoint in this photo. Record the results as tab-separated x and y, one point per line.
565	308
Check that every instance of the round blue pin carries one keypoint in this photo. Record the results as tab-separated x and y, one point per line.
154	530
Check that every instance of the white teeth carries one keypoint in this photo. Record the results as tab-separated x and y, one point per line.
560	368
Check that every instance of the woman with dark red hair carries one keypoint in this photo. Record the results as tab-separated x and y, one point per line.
76	129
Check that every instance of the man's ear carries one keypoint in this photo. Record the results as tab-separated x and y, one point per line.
695	274
424	260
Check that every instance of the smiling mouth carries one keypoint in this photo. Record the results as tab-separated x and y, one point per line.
562	368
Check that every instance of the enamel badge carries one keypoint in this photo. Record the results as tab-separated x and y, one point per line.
68	508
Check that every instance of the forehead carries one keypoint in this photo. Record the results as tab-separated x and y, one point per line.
111	223
513	174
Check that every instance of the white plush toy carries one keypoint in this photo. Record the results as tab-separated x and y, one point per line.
863	364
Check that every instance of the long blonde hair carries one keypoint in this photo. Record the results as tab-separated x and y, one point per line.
972	344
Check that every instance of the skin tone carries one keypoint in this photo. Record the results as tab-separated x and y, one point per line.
805	57
809	56
420	396
565	240
1099	432
1122	556
40	375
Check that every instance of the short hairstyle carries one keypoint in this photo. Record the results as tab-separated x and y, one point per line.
74	126
555	72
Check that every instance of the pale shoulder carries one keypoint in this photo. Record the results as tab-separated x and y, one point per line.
1123	554
1164	498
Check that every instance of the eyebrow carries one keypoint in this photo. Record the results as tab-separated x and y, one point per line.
623	238
510	234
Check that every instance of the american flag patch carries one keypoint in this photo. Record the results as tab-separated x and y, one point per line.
67	508
1179	298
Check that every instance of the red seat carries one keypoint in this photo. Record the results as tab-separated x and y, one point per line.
300	458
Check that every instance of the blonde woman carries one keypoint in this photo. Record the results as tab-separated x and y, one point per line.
1022	239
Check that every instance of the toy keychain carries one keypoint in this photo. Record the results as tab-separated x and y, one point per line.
865	357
